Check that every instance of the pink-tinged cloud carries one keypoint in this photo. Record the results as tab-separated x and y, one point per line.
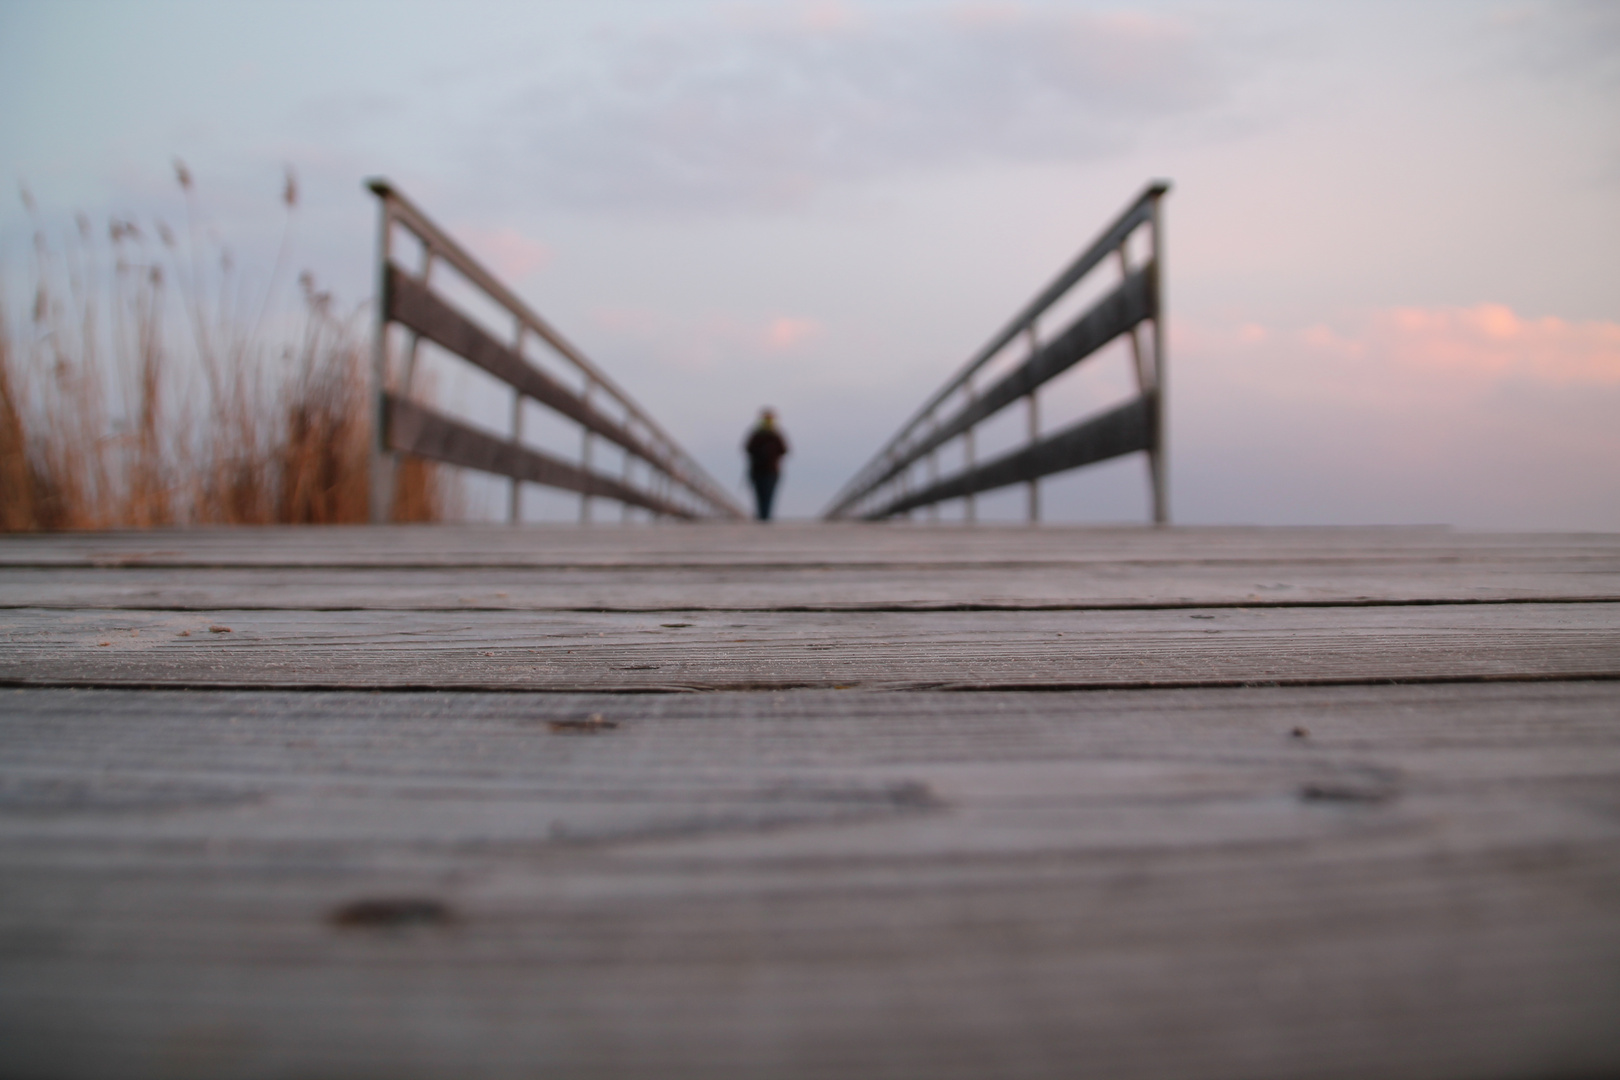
1492	342
787	333
706	343
1470	415
506	251
1395	350
829	15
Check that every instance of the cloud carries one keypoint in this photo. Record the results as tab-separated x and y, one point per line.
506	251
705	343
788	333
1467	350
1564	39
1471	415
768	109
1491	343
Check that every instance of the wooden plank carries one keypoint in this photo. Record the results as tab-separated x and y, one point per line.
655	586
415	429
1148	884
1121	430
892	545
695	650
837	567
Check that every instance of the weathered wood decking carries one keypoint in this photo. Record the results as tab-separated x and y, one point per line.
644	801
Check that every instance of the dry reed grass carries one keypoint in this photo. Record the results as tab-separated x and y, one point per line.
280	432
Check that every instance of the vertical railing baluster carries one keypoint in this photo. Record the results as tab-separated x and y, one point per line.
514	510
426	278
1156	454
624	475
1034	428
586	445
381	501
1144	377
970	508
933	470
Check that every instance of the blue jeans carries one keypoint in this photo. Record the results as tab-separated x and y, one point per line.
764	492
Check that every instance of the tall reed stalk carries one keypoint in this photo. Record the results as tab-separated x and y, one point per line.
102	424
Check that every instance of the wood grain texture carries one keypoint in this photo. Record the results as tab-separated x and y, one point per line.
1159	883
732	651
789	587
792	543
502	845
848	567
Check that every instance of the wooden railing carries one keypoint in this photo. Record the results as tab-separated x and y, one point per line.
885	486
673	485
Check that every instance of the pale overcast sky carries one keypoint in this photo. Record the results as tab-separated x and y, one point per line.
1393	243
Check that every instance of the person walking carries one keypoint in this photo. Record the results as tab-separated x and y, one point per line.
765	448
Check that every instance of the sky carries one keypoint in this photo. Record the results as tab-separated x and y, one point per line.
1392	244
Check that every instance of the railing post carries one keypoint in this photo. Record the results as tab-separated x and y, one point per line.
1144	377
514	511
1034	431
624	507
585	447
381	509
409	383
933	478
1156	455
970	507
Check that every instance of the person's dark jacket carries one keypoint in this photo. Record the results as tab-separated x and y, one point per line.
766	449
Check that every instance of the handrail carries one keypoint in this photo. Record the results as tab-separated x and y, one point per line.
1137	299
404	426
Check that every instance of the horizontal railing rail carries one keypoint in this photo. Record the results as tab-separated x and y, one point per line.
679	488
883	487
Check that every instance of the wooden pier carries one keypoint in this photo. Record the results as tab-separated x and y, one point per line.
727	800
